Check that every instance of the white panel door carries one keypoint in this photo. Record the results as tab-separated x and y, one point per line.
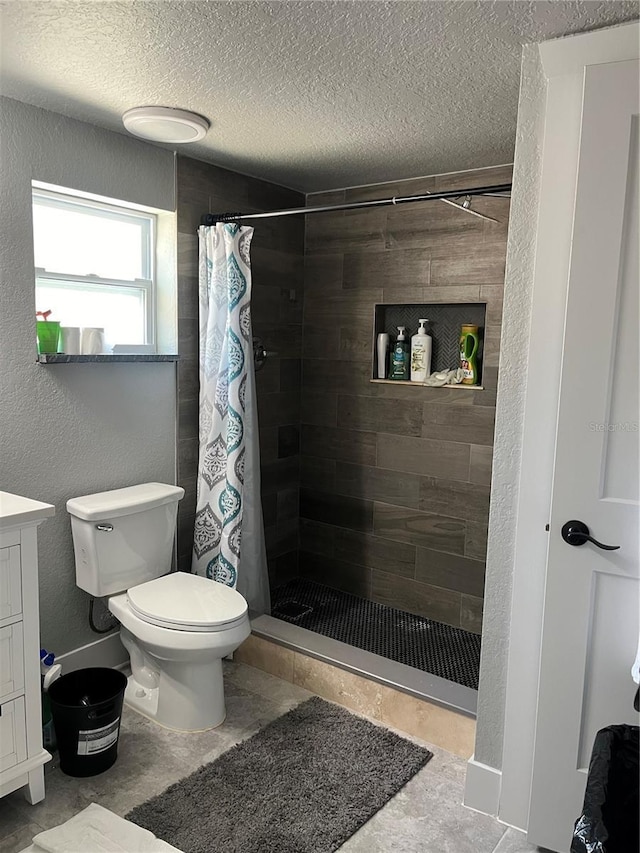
590	630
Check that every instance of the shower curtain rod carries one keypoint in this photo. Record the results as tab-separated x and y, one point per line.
497	190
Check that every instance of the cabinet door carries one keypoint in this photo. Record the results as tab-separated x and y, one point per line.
10	582
11	659
13	733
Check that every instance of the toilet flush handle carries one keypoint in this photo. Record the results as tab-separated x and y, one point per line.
104	527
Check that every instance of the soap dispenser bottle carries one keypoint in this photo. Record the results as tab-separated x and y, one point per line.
420	354
400	357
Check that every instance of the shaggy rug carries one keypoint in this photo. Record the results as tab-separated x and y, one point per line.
303	784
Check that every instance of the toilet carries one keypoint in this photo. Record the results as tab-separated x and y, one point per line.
176	627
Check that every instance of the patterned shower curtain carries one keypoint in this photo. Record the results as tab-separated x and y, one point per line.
228	543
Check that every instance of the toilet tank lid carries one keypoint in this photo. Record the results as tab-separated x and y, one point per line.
118	502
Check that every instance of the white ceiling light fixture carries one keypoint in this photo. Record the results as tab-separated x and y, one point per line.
165	124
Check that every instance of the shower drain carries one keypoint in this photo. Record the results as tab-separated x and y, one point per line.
290	610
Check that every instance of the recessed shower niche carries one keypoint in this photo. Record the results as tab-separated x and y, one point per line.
445	323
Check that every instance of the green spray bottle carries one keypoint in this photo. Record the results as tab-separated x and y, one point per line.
469	343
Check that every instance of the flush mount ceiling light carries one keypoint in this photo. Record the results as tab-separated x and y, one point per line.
165	124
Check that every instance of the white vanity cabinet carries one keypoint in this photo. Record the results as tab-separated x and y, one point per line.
21	753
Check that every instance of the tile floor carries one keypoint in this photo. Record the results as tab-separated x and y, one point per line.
426	816
421	643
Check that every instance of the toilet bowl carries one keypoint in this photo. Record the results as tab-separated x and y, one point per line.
176	627
176	669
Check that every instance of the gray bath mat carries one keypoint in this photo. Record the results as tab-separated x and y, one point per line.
303	784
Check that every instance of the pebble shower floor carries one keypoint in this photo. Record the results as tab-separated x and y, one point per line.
433	647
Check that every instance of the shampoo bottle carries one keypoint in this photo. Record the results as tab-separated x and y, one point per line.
400	357
420	354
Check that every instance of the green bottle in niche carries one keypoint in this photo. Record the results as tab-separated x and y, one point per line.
469	343
400	357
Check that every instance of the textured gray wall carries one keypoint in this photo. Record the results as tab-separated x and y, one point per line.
68	430
395	479
277	295
510	412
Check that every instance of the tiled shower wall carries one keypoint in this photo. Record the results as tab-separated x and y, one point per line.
277	267
395	479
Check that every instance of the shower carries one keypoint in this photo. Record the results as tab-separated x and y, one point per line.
375	493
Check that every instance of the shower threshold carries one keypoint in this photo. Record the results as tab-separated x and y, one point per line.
376	667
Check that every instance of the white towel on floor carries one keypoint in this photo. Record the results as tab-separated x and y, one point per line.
97	830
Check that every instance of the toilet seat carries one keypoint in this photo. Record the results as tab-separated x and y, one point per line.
184	602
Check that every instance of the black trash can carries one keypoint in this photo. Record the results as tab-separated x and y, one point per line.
86	706
609	822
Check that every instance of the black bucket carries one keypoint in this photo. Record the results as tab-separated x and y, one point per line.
86	706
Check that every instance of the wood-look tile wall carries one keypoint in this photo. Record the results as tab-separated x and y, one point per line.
395	479
277	299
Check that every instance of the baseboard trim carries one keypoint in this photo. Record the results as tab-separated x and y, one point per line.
482	788
107	652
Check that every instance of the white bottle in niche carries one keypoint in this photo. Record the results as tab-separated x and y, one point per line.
382	348
420	354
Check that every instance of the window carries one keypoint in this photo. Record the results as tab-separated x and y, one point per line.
95	266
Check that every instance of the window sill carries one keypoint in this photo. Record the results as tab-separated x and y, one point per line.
107	358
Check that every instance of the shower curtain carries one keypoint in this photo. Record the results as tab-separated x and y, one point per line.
228	542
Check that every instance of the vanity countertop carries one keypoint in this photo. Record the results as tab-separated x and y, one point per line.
16	510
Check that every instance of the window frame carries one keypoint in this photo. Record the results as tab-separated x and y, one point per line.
122	213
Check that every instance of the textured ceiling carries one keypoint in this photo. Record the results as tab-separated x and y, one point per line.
312	95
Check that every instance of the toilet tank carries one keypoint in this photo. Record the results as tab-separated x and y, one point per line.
123	537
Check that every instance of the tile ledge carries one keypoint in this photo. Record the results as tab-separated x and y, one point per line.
398	676
424	384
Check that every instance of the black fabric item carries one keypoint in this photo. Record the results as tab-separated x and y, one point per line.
610	818
303	784
416	641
